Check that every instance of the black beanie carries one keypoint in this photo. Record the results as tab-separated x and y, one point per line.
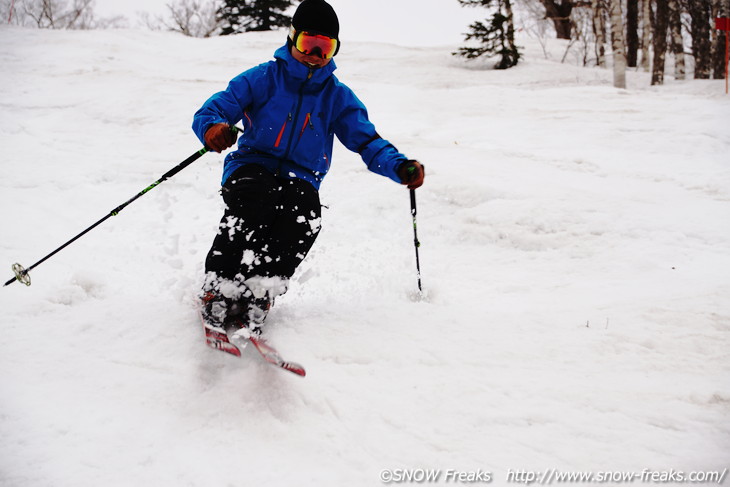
316	16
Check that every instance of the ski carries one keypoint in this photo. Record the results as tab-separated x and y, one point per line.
271	356
217	338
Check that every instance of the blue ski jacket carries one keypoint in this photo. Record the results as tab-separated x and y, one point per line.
290	115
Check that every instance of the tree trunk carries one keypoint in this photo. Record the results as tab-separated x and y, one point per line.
632	32
660	41
510	27
720	8
618	45
700	12
675	25
599	30
560	15
646	24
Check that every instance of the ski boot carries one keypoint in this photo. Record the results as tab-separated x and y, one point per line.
249	321
217	312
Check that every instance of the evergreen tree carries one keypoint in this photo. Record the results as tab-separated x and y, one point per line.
497	36
238	16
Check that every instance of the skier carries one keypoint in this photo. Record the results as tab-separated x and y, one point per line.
291	108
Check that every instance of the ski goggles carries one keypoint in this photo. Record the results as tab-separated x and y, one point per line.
311	43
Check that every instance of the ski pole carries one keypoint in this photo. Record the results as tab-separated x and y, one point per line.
21	273
416	243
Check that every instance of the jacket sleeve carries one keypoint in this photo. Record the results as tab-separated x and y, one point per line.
227	106
357	133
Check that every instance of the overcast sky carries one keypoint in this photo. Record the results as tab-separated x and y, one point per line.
405	22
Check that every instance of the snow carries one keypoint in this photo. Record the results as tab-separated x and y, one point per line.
575	255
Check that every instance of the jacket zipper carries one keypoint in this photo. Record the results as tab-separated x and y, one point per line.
283	129
307	122
300	99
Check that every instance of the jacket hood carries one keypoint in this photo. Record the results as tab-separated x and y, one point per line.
299	71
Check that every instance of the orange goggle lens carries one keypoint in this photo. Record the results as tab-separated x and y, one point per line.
315	44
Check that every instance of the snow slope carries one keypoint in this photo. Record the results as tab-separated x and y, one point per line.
575	252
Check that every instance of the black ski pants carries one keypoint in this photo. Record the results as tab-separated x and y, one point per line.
269	225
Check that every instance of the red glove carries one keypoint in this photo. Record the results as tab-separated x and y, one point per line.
220	137
411	173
